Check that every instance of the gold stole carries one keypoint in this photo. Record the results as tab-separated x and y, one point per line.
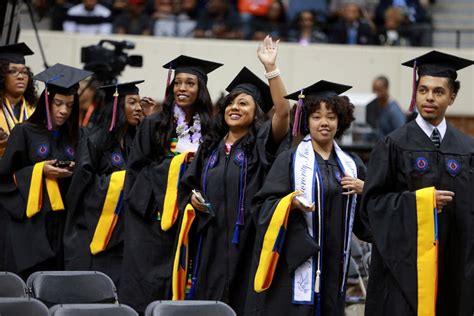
272	243
110	212
427	251
35	195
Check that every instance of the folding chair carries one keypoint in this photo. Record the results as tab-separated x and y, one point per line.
14	306
71	287
92	310
189	308
11	285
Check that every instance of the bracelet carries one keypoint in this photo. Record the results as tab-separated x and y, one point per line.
272	74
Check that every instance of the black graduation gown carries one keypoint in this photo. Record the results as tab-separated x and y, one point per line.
224	268
85	200
148	251
393	178
298	245
38	241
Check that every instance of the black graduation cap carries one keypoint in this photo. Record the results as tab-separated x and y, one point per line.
438	64
15	53
126	88
321	88
62	79
195	66
116	90
247	82
435	64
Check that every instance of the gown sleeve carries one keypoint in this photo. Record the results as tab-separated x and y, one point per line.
15	172
267	149
292	240
361	223
392	218
139	180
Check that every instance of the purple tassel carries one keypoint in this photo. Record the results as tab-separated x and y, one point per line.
168	81
413	93
236	238
114	110
298	112
48	115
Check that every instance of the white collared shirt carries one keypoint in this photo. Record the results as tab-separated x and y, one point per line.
428	128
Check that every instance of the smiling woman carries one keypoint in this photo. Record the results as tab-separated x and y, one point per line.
163	144
229	171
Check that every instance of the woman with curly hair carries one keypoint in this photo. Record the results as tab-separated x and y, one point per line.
307	210
163	144
17	91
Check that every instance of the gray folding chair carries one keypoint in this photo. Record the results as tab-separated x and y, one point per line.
14	306
71	287
11	285
189	308
92	310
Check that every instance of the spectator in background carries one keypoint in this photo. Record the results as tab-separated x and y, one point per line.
133	20
394	31
249	11
174	19
219	20
89	17
306	30
274	23
352	28
383	113
296	6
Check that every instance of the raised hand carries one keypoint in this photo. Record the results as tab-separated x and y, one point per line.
267	53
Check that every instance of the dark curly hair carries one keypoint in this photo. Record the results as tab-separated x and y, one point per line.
221	127
30	92
166	126
70	128
340	105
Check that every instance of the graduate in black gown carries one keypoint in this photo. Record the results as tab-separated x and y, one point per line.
153	169
302	248
36	171
419	197
17	103
93	238
228	173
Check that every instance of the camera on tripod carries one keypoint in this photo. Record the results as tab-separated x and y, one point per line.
107	64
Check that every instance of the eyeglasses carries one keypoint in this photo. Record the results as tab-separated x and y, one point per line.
15	72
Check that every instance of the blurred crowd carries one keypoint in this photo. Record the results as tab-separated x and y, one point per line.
353	22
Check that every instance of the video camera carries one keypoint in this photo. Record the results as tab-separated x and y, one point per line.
107	64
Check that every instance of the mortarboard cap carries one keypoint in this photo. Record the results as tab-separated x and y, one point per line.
320	89
15	53
435	64
438	64
247	82
195	66
60	79
126	88
116	90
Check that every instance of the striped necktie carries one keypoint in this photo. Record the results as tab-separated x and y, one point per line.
436	138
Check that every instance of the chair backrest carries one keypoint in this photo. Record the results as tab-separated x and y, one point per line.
14	306
71	287
11	285
92	310
189	308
